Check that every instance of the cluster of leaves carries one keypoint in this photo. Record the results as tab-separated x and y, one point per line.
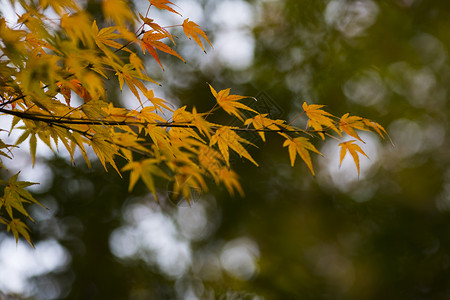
44	61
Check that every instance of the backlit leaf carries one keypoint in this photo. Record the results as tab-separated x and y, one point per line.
119	11
144	170
260	122
226	138
374	126
319	119
231	181
348	124
353	149
164	5
300	146
19	228
150	42
230	104
191	29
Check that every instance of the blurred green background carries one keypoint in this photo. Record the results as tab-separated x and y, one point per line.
382	235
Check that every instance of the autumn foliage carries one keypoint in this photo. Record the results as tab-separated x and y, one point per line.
46	61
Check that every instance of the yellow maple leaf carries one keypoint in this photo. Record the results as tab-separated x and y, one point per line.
229	103
136	62
158	103
231	181
60	6
78	28
318	119
260	123
17	227
348	124
203	126
129	75
119	11
144	170
147	115
226	138
15	196
210	160
187	179
106	37
377	128
186	119
353	149
104	149
301	146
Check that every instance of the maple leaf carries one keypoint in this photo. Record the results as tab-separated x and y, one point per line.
157	102
348	124
77	26
77	140
38	44
17	227
75	85
210	160
229	103
150	42
377	128
60	6
118	10
104	149
106	37
163	4
203	126
301	146
231	181
188	178
186	118
128	74
156	27
129	143
353	149
192	29
144	170
319	118
260	122
226	138
15	196
47	56
136	62
147	115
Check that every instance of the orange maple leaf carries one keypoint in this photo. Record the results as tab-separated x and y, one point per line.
150	41
156	27
164	5
192	29
353	149
77	87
